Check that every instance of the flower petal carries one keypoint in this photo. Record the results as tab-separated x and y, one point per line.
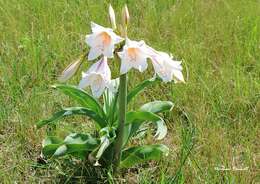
133	56
116	39
98	89
125	67
90	39
165	66
98	77
142	66
101	41
94	53
84	82
69	71
97	28
109	51
178	76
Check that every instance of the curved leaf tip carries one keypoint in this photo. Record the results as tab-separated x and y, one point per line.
140	154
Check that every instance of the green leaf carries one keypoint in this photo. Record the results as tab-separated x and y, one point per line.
60	151
135	119
103	146
80	142
107	137
139	116
50	145
51	140
110	97
161	131
75	144
140	154
81	97
157	106
140	87
74	111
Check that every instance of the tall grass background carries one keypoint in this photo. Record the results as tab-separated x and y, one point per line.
214	128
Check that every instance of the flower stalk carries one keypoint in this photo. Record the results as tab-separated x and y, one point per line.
121	120
122	102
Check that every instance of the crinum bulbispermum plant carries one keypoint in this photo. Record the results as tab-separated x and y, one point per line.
115	127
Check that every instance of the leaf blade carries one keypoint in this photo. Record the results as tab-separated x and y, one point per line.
76	144
139	154
157	106
135	119
138	89
81	97
73	111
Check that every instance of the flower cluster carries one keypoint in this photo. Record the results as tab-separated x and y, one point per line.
135	54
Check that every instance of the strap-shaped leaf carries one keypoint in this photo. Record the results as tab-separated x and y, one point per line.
140	154
107	136
51	140
76	144
110	97
60	151
157	106
140	87
80	142
161	131
81	97
50	144
138	116
103	146
135	119
74	111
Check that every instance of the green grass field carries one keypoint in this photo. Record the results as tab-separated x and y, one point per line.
214	129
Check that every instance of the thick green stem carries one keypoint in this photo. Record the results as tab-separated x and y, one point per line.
121	120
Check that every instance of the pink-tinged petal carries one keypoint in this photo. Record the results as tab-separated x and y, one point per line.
116	39
98	77
96	28
94	53
94	67
101	41
98	85
165	66
125	67
142	66
109	51
90	39
70	71
104	70
133	56
140	63
84	82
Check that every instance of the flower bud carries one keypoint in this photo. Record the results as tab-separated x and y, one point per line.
112	17
125	16
70	71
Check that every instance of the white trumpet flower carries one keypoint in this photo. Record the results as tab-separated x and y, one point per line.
98	77
133	56
165	67
101	41
70	71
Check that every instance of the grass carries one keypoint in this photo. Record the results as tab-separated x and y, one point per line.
215	123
